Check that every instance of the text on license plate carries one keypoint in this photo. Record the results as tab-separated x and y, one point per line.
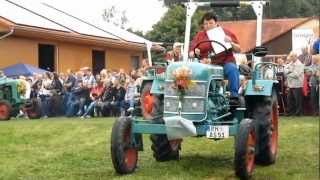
218	132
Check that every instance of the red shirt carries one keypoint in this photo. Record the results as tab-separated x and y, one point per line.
97	90
205	48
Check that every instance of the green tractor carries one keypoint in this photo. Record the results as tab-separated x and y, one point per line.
192	100
11	102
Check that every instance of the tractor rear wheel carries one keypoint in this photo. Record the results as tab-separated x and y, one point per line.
5	110
124	156
147	100
266	115
163	149
245	149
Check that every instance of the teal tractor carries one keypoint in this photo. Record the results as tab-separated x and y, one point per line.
192	100
11	101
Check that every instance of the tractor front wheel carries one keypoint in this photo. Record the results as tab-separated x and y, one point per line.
5	110
124	155
245	149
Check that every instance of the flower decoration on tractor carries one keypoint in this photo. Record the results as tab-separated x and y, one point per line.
182	80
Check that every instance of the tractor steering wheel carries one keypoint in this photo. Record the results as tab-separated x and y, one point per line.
212	53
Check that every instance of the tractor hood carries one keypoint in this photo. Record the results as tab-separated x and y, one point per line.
199	71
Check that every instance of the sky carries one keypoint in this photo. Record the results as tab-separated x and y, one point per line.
142	14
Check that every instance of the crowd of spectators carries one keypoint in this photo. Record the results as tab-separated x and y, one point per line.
83	94
299	77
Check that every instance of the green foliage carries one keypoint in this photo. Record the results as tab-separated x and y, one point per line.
171	26
74	149
294	8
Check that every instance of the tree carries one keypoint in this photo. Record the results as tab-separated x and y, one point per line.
171	26
115	17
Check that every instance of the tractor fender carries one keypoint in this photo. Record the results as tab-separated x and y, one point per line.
261	87
157	86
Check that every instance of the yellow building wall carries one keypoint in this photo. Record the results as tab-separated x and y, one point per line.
119	58
72	56
4	28
17	50
67	55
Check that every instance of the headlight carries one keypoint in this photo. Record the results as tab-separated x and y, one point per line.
171	104
192	105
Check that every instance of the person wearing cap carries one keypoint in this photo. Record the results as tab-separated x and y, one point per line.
225	59
174	55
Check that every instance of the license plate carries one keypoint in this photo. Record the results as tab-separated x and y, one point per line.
218	132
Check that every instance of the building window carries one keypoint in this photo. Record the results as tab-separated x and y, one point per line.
46	57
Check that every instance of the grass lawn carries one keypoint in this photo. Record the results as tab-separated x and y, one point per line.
61	148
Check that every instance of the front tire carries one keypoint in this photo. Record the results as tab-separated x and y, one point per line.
266	115
124	156
245	149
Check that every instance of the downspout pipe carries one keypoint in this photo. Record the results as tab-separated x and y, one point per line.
8	34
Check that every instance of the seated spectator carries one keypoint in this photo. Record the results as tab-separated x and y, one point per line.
56	99
68	85
95	94
80	96
118	103
45	94
103	106
130	93
122	78
88	78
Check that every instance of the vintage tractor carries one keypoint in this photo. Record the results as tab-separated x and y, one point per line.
192	100
11	102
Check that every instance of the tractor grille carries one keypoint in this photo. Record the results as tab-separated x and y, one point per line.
189	105
197	89
192	105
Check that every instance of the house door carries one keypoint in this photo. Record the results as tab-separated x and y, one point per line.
98	61
46	57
